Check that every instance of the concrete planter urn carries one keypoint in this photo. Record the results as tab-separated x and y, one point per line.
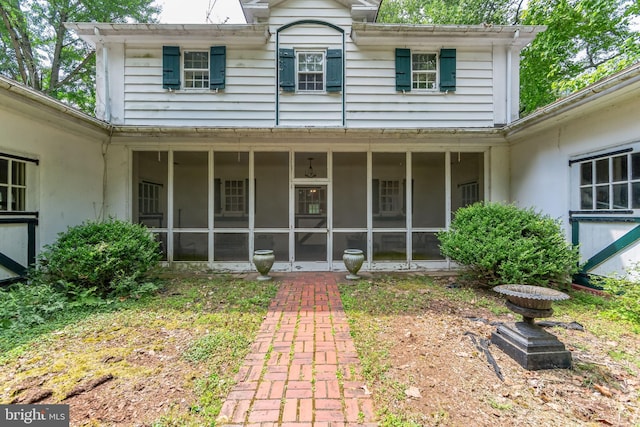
353	259
263	260
525	342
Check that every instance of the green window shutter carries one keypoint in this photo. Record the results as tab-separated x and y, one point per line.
403	69
171	67
287	70
334	70
217	67
447	70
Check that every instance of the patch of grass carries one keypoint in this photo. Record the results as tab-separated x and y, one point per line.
213	319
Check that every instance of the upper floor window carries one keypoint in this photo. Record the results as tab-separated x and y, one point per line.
196	70
424	67
610	182
425	70
310	71
13	184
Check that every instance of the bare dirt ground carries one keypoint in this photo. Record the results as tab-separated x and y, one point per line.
452	383
447	379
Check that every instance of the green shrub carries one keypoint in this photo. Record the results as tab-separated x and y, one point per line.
625	293
23	306
505	244
108	258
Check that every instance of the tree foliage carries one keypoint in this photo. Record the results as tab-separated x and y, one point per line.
41	53
459	12
585	40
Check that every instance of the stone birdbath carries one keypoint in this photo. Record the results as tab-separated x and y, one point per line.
525	342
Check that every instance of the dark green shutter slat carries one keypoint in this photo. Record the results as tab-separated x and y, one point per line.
403	69
287	70
334	70
217	67
447	70
171	67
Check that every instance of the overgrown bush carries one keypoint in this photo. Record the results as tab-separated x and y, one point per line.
22	305
503	244
625	293
106	259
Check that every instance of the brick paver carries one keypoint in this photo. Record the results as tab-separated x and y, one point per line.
303	369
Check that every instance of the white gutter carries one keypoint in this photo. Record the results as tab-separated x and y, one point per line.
40	99
616	82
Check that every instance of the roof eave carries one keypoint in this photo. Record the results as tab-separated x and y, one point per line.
234	34
365	34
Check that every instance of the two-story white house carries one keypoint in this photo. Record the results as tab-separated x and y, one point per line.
308	130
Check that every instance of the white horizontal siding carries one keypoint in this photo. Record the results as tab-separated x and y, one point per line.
248	99
310	109
372	97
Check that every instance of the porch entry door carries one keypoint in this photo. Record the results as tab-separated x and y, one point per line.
310	212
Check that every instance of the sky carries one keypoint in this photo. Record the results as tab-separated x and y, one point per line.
177	11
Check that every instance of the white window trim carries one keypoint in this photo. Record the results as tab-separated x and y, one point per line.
576	163
323	72
398	209
436	71
225	197
185	70
10	185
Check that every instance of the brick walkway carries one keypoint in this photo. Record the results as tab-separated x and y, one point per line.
303	369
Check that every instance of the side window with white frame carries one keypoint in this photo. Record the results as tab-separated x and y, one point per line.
13	184
193	68
424	71
609	182
196	70
310	66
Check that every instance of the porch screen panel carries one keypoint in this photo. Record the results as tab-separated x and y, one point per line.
190	189
428	189
231	189
277	242
348	240
231	247
388	190
190	247
349	190
467	179
150	178
272	190
389	247
425	247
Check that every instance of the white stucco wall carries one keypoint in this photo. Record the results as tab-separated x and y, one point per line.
66	187
542	178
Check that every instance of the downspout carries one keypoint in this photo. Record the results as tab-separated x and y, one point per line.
106	118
